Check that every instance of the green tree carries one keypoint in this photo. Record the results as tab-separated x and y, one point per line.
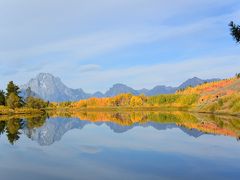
13	101
12	88
2	98
235	31
35	103
13	91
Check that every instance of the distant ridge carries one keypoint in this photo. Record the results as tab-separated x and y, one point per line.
51	88
195	81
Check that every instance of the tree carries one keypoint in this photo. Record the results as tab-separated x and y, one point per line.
2	98
13	101
35	103
238	75
13	91
136	101
12	88
235	31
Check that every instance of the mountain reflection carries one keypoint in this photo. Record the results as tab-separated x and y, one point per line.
47	130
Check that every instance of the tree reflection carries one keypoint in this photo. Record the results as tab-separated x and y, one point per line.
12	130
206	123
12	127
33	123
2	127
36	122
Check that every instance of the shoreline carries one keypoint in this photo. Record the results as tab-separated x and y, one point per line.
137	109
21	111
30	111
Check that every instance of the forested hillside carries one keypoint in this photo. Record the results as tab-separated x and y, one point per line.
220	96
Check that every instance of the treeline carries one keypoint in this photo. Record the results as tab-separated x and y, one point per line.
12	99
129	100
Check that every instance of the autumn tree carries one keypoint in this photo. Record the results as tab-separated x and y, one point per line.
235	31
136	101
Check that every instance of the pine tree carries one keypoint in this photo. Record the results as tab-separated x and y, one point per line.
235	31
12	88
13	98
2	98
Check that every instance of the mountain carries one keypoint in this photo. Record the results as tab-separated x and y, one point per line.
51	88
143	91
194	82
160	90
119	89
98	94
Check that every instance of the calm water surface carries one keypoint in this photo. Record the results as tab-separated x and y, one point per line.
115	146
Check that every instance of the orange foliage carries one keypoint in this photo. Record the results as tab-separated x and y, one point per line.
119	100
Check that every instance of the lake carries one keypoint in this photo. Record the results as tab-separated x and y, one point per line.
114	145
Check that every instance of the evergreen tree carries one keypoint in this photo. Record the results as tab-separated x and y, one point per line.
13	99
2	98
235	31
12	88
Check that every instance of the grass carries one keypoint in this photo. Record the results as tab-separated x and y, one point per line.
8	111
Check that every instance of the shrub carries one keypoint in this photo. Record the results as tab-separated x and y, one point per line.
35	103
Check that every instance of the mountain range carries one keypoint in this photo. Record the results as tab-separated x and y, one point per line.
51	88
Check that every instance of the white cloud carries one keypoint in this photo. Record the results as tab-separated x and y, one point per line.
160	74
100	42
66	39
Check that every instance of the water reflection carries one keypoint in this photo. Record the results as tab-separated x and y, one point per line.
12	126
47	130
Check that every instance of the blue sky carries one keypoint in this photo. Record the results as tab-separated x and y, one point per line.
93	44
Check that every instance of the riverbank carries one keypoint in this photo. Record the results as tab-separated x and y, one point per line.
20	111
190	109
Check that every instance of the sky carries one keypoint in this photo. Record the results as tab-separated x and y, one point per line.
94	44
